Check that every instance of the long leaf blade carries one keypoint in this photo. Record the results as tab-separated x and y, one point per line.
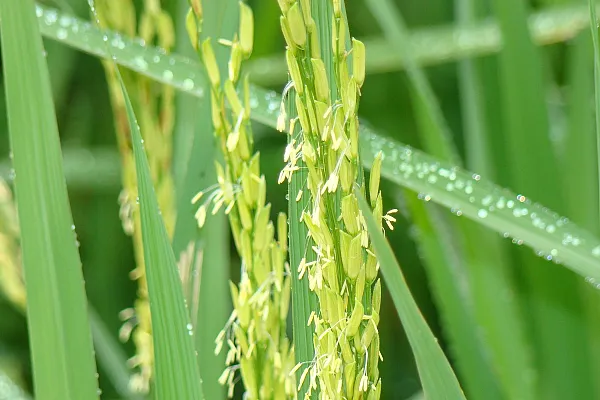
176	369
177	375
437	377
545	231
60	338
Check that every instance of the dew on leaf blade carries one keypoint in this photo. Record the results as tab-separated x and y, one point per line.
188	84
61	34
167	75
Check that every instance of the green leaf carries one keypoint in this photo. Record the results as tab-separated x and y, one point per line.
177	375
437	377
60	338
446	270
402	165
443	44
176	369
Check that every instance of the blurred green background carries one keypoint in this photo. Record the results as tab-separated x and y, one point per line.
93	167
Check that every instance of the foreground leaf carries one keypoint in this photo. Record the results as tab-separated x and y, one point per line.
177	375
60	339
176	369
437	377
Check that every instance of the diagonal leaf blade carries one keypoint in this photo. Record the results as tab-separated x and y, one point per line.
437	377
474	196
176	370
177	375
60	338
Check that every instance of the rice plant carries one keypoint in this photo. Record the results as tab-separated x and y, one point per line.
241	158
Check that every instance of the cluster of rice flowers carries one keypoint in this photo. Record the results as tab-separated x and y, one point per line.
344	274
154	25
255	332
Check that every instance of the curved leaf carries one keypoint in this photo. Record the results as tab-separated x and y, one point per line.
437	377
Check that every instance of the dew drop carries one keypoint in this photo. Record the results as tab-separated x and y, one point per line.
61	34
188	84
482	213
272	106
167	75
72	227
65	21
140	63
596	251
